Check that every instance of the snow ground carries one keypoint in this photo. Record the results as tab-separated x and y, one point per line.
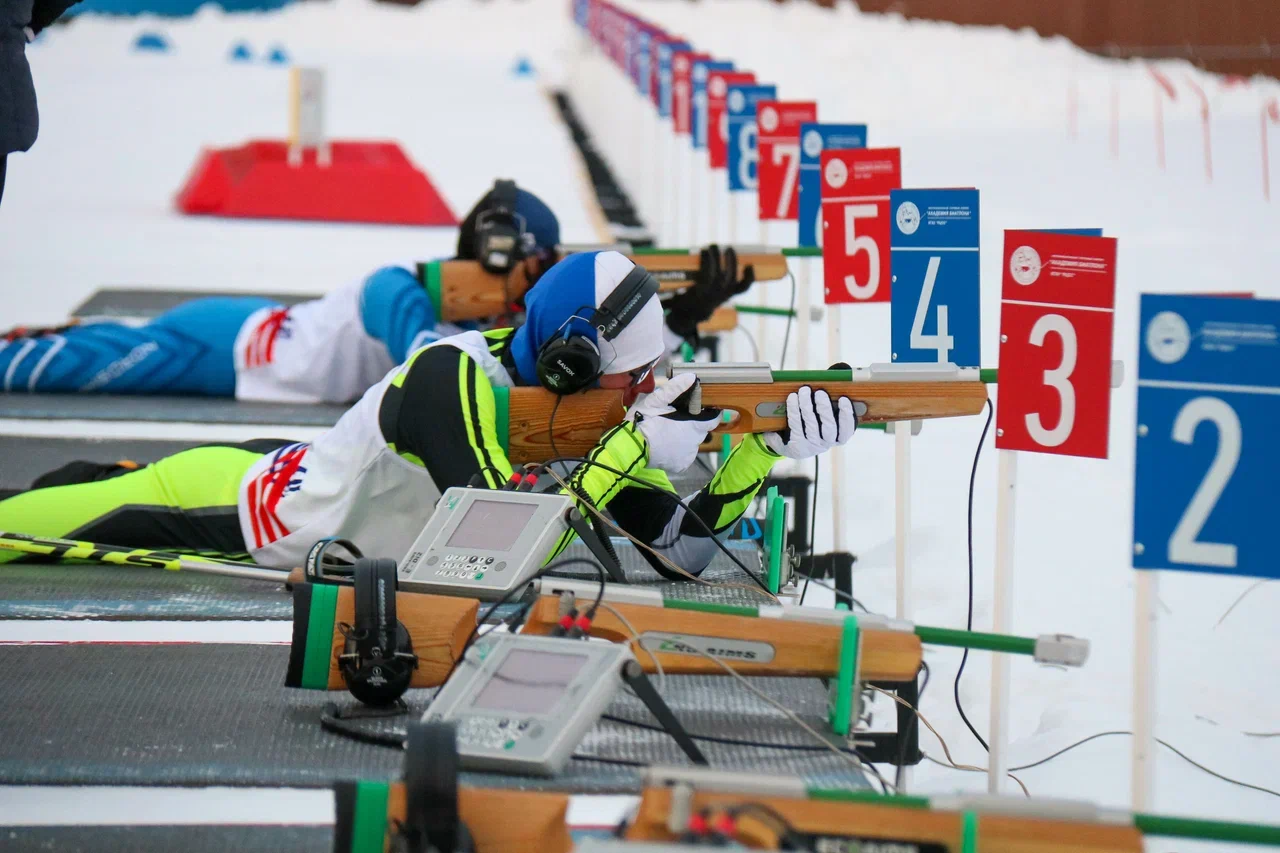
91	205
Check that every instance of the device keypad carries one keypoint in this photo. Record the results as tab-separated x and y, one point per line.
495	733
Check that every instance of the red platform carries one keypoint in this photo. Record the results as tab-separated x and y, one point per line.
364	182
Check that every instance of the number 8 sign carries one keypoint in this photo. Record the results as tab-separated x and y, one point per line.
1057	306
855	222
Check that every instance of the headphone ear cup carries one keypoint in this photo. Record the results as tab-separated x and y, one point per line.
380	678
569	364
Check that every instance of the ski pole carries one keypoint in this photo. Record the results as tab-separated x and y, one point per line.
66	549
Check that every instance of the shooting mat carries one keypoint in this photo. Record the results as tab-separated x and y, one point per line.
170	714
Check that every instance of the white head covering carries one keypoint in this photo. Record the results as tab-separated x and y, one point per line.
641	342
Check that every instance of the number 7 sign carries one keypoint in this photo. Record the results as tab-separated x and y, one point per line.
855	222
779	142
1057	305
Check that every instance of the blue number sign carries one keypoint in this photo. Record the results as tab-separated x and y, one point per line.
814	139
666	51
698	105
1208	416
744	152
933	246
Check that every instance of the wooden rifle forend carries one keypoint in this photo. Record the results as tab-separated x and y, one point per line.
758	405
464	290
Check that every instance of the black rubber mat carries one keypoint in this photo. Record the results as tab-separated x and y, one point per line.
202	410
145	302
218	715
26	457
57	591
167	839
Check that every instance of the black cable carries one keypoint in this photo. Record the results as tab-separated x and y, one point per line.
786	338
621	762
551	429
813	527
672	497
728	741
973	476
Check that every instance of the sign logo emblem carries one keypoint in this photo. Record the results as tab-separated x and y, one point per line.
1168	337
1024	265
717	87
812	143
908	217
737	101
769	119
836	174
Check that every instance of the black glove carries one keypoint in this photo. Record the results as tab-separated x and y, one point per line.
716	283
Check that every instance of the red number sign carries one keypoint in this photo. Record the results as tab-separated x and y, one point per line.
779	123
855	222
682	88
718	83
1057	307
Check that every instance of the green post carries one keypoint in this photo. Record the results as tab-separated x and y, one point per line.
977	640
840	705
969	833
1207	830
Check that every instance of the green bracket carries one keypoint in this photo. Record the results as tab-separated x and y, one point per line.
431	281
686	353
969	833
775	529
841	704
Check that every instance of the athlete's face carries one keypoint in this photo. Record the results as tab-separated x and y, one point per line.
632	384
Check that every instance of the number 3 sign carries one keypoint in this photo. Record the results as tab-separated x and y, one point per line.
1057	307
855	222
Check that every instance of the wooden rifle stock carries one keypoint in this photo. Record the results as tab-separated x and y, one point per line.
439	626
757	406
500	821
464	290
910	822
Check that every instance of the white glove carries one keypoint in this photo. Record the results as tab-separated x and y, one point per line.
813	425
673	436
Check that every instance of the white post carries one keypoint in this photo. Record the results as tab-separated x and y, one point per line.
762	298
803	309
1144	688
835	454
671	234
656	213
695	189
713	202
902	515
1002	620
731	217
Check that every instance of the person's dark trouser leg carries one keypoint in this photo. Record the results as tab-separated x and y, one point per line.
3	158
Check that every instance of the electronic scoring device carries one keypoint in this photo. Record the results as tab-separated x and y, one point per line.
482	543
522	704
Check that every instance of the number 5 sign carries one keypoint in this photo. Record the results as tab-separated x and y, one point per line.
1208	413
779	123
1056	315
855	222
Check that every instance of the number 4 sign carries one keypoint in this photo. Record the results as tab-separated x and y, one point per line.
855	222
1056	315
934	312
779	123
1208	372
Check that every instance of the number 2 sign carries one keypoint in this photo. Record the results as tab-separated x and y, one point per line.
779	127
1057	306
855	222
1208	413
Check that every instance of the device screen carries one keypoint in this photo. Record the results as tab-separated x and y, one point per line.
491	525
529	682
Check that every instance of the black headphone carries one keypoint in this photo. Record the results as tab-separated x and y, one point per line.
377	659
500	231
431	821
570	361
